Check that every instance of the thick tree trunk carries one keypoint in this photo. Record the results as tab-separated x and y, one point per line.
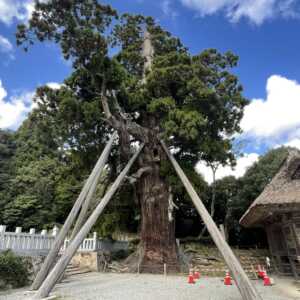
158	243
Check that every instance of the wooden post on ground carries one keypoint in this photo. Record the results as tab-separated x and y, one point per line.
52	255
244	284
61	265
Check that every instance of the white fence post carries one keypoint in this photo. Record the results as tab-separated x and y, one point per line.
44	232
31	243
43	241
95	238
2	232
55	231
18	240
18	229
2	229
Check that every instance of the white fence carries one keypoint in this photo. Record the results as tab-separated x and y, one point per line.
27	243
88	245
34	244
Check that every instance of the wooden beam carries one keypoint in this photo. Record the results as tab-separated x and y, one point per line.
52	255
297	239
222	229
285	229
85	207
245	287
61	265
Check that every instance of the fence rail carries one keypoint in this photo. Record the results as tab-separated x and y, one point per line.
34	244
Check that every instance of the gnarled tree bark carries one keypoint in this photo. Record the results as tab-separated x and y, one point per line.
158	243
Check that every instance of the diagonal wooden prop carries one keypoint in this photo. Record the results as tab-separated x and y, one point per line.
61	265
84	196
84	209
245	287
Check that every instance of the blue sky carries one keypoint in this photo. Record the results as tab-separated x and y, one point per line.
263	33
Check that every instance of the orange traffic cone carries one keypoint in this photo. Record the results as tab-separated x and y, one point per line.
262	274
267	280
196	274
191	278
259	271
227	279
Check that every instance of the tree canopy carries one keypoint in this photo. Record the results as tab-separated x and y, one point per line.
193	101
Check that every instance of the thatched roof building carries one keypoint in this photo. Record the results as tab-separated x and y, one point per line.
277	209
281	194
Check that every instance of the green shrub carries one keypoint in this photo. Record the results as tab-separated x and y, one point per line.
120	254
13	270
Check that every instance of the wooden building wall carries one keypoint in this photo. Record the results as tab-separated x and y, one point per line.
284	242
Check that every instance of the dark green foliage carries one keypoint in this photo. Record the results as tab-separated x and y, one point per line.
77	25
120	254
234	196
121	215
195	99
7	150
13	270
261	173
42	188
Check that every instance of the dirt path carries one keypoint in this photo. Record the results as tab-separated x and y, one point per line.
97	286
288	287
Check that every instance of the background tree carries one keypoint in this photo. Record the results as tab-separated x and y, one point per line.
234	196
42	188
189	100
7	150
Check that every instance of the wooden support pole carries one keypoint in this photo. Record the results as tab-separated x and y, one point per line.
245	287
85	206
61	265
222	229
52	255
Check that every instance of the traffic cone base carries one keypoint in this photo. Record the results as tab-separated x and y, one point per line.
196	275
191	279
267	281
260	272
227	279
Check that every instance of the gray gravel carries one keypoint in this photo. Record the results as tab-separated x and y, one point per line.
97	286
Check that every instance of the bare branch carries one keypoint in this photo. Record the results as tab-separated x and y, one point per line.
141	172
122	123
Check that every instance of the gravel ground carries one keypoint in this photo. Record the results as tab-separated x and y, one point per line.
97	286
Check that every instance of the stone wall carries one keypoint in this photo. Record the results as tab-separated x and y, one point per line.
211	263
34	264
86	260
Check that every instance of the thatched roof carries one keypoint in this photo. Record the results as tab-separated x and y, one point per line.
281	194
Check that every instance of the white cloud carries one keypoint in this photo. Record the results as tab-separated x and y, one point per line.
243	163
54	85
19	10
6	47
293	143
168	10
277	116
257	11
5	44
15	109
